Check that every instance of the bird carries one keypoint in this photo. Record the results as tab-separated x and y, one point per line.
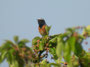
43	27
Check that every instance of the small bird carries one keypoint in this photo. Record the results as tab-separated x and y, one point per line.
43	27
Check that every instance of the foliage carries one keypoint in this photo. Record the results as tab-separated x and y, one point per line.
65	49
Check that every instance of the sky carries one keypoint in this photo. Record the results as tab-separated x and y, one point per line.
19	17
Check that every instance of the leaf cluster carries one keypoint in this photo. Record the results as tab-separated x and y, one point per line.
65	49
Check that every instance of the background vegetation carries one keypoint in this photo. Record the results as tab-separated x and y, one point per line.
65	49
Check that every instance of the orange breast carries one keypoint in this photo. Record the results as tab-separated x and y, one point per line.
42	30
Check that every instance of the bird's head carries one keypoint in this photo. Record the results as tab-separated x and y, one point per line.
41	22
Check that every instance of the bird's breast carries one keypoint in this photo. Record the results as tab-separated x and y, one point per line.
42	30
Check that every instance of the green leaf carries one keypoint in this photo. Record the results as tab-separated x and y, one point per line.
3	56
34	41
53	52
43	63
54	64
14	64
59	47
41	45
72	42
5	46
44	39
9	42
78	49
10	56
21	44
75	61
67	52
70	29
53	40
25	41
86	30
69	47
48	29
16	38
14	60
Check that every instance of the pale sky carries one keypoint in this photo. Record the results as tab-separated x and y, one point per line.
19	17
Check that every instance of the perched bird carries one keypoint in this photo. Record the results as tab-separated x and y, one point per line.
43	27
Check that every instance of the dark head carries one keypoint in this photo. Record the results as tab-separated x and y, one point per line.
41	22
